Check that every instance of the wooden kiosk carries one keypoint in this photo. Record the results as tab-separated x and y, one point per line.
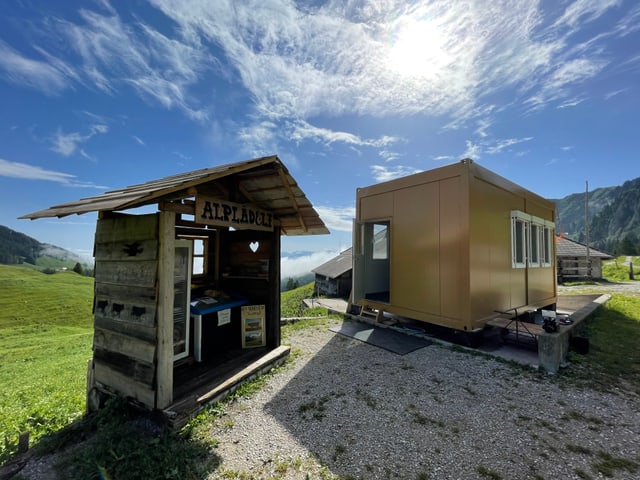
187	297
453	246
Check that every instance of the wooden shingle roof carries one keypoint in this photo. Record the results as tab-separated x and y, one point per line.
263	182
565	247
336	266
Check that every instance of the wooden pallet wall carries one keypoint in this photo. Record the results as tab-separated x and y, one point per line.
125	306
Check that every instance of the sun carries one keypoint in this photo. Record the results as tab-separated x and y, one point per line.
417	49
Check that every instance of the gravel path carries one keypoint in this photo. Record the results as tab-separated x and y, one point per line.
346	409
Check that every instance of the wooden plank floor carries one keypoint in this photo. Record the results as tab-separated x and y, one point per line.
202	383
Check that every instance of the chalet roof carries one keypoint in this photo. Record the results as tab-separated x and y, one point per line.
565	247
263	182
336	266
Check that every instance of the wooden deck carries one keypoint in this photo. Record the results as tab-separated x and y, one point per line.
199	384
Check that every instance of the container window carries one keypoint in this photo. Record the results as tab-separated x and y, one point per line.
547	235
380	241
535	231
519	233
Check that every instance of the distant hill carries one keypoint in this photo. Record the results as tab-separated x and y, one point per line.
614	218
17	248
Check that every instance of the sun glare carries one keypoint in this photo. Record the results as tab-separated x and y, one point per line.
417	49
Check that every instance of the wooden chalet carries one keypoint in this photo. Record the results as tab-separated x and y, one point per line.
187	297
333	278
576	262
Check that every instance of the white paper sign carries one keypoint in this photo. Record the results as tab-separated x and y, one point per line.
224	317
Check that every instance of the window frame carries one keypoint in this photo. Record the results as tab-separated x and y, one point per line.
380	240
533	243
534	249
519	251
547	237
195	255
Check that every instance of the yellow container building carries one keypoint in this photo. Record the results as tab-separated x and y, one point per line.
453	246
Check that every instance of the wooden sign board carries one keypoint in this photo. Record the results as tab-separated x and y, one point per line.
253	329
222	213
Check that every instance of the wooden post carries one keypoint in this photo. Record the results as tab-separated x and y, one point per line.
164	316
631	271
273	312
23	442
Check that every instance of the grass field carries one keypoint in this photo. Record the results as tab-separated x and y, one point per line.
45	342
614	357
616	271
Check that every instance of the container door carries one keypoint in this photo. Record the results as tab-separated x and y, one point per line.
371	261
181	299
378	260
357	289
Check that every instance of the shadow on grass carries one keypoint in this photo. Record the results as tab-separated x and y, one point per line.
614	357
120	442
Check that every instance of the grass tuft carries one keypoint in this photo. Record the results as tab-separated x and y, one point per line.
488	473
608	464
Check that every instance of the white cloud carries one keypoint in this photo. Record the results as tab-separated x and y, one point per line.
66	144
342	58
502	144
584	11
138	140
40	75
473	151
556	87
610	95
572	102
31	172
301	130
365	58
291	267
389	156
383	173
337	219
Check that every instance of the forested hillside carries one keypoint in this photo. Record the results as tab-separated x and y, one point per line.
17	248
614	218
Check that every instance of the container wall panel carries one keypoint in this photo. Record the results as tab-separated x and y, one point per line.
454	238
376	206
490	245
415	265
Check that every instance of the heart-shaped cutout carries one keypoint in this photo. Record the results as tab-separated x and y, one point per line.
254	246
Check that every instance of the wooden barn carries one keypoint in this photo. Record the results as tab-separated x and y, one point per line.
453	246
576	261
187	296
333	278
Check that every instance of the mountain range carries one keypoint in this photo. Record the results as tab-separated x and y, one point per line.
18	248
613	212
614	218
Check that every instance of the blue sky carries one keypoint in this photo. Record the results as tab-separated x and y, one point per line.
97	95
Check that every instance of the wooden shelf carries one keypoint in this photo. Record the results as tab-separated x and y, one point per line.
246	277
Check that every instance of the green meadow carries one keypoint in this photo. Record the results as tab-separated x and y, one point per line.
45	342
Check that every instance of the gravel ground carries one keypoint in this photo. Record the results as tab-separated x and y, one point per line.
347	409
